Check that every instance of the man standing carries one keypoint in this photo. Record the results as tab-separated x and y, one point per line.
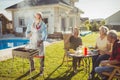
115	56
37	33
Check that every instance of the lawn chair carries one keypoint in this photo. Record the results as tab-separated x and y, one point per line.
66	38
114	74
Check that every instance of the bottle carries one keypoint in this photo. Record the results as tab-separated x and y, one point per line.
85	51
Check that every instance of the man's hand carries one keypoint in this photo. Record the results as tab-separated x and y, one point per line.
105	52
29	35
105	62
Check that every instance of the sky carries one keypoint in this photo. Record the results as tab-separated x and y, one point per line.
98	8
91	8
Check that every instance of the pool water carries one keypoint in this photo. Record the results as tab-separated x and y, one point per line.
84	33
9	43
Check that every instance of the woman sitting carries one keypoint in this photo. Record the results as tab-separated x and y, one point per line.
75	41
104	48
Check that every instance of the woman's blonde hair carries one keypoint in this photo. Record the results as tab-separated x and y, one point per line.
105	29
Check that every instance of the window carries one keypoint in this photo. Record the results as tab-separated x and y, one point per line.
21	21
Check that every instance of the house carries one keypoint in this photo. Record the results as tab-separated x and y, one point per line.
113	21
5	25
59	15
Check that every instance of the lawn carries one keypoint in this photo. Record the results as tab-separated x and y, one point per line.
11	70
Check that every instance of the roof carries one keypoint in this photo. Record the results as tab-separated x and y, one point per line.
113	19
7	14
28	3
116	13
1	15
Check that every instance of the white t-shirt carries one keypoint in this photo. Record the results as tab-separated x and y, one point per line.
102	44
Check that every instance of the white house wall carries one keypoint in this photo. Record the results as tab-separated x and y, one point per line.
78	20
29	18
49	13
54	15
63	13
56	19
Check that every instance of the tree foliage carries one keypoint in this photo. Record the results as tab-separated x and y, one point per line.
87	24
94	25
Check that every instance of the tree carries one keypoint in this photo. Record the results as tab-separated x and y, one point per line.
102	22
95	26
87	24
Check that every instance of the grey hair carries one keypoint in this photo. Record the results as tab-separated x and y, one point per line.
112	34
105	29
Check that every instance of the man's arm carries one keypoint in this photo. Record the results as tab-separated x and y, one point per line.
44	34
108	62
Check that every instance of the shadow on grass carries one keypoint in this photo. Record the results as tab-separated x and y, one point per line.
37	75
67	75
34	77
53	72
24	75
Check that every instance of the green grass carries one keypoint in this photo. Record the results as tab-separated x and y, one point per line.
11	70
90	40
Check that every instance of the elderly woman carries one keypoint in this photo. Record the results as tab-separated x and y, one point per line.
104	48
75	41
115	56
37	33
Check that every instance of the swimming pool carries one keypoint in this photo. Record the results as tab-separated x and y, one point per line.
10	43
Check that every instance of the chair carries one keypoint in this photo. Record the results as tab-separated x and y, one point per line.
66	38
114	74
